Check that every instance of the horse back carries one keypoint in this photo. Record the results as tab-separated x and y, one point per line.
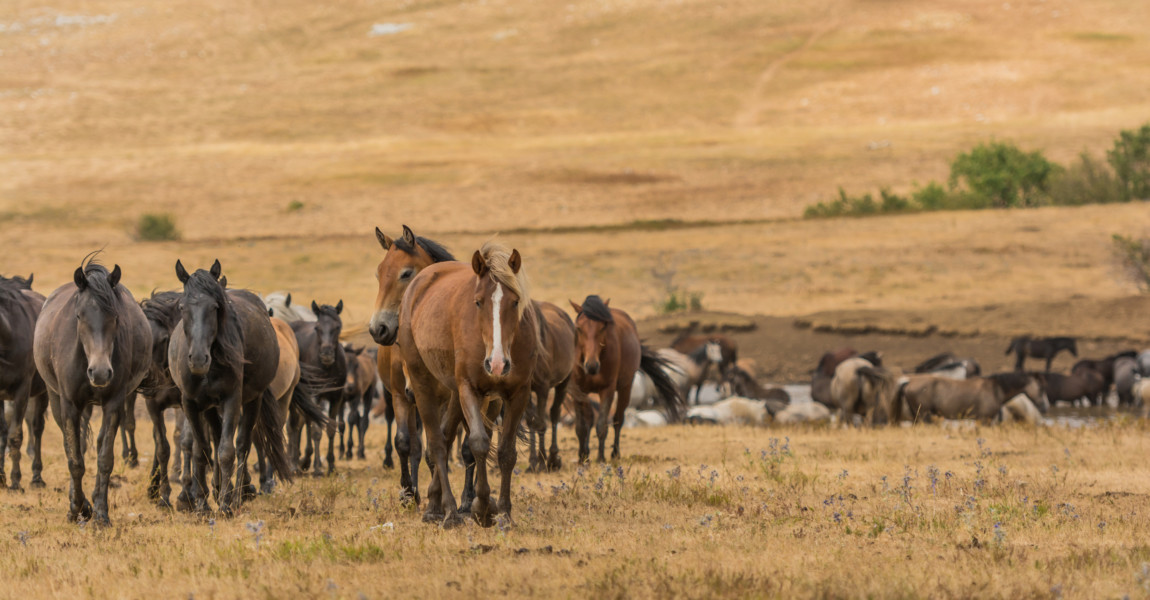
558	333
261	348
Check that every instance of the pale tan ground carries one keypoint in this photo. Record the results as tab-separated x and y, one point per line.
524	118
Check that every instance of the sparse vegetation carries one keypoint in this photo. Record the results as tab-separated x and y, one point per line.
675	298
1003	174
294	206
1133	257
1130	159
157	228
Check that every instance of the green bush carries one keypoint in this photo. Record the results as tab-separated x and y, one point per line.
1002	174
893	203
156	228
1085	182
1134	257
931	197
1130	159
681	300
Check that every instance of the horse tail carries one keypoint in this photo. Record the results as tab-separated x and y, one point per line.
666	392
269	435
352	332
312	412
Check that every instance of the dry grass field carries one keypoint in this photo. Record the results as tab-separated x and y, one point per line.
608	140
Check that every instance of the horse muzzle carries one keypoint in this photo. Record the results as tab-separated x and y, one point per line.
497	368
591	368
199	364
99	377
384	329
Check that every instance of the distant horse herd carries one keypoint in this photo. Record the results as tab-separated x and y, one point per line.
462	349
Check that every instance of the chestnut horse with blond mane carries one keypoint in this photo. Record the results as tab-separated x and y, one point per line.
405	257
469	341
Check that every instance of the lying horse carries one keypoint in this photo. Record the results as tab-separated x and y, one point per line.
979	398
1046	348
734	411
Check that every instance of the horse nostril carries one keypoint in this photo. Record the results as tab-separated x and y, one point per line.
487	365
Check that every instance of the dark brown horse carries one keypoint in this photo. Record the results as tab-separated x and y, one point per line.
609	353
223	357
552	372
20	383
359	393
92	347
706	350
160	393
1084	384
1104	367
321	352
1047	348
470	341
404	258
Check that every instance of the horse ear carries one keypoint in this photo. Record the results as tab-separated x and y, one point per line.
224	282
287	300
408	236
79	279
114	278
30	276
607	302
181	272
314	307
515	261
383	239
216	269
271	312
478	264
339	306
578	309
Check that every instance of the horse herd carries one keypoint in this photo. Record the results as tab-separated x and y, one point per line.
463	349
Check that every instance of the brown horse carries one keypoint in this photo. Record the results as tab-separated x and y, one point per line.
282	388
553	371
469	341
706	350
19	380
359	391
92	347
404	258
609	354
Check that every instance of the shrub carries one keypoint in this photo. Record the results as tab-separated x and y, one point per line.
1086	182
892	202
1003	174
931	197
681	300
1130	159
1134	257
294	206
156	228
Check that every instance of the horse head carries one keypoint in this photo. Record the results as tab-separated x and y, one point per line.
328	326
96	319
501	299
204	314
351	384
593	321
162	311
405	257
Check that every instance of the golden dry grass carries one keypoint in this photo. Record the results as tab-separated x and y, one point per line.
1003	512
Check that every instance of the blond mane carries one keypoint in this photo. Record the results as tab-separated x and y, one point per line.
496	256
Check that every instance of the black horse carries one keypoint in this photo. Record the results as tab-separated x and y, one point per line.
320	350
92	347
20	383
359	394
223	357
1047	348
160	392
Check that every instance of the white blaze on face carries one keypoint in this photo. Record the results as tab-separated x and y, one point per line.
496	331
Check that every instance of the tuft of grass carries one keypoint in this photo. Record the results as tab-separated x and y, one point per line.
156	228
294	206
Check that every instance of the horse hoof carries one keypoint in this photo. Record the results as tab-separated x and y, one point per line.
555	463
38	483
133	463
163	504
453	520
433	517
249	492
102	521
226	512
361	456
388	463
182	503
317	473
504	521
15	487
465	508
484	520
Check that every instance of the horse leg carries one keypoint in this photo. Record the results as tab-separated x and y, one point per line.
440	501
177	444
315	438
131	455
342	426
507	452
159	490
185	501
479	442
1020	358
389	417
364	422
69	418
606	399
404	431
554	463
335	411
15	416
34	415
584	414
249	415
352	428
230	407
106	455
195	476
295	431
620	410
1049	359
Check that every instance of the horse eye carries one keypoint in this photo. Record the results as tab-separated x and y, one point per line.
406	274
479	303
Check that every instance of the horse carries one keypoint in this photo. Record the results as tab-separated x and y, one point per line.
470	341
92	347
320	350
223	357
1104	368
1085	384
404	257
706	350
162	310
1048	348
679	368
947	364
744	384
1125	371
824	372
283	389
20	382
279	305
859	387
981	398
552	372
609	354
735	410
359	392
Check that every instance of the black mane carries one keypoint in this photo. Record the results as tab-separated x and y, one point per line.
229	336
594	309
99	288
1012	380
10	291
163	308
437	252
329	311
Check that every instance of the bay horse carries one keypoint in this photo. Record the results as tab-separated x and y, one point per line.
359	392
320	350
706	350
20	382
223	357
92	347
1047	348
470	341
404	258
609	354
283	389
162	311
552	372
979	398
